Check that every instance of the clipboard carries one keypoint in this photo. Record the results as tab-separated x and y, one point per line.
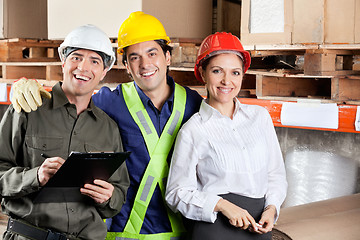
81	168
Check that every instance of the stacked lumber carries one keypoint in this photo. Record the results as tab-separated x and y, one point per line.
327	72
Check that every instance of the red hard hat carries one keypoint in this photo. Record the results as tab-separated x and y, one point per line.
218	43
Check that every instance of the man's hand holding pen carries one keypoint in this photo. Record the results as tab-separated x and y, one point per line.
48	168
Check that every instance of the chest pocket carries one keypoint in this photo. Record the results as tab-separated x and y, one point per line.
44	143
92	148
52	146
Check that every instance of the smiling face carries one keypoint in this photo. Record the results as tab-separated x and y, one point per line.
82	71
223	77
147	65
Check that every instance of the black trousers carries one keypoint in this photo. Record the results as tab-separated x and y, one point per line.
222	229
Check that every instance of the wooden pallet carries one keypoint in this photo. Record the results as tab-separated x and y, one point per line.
37	70
29	50
318	60
289	87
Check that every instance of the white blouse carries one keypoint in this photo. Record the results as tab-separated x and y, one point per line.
216	155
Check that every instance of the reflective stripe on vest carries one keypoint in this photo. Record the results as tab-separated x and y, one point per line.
157	169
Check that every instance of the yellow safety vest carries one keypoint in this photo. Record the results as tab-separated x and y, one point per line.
157	169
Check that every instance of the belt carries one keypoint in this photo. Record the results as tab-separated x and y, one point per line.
32	232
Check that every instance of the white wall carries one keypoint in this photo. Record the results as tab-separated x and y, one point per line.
65	15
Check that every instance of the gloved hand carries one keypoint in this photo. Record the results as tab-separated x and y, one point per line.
27	95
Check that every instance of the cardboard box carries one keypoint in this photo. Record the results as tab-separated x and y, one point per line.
248	37
357	21
307	22
182	19
43	19
23	19
339	21
185	19
66	15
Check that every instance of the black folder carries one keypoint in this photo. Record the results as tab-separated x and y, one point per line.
81	168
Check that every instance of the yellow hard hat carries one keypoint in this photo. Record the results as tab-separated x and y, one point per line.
140	27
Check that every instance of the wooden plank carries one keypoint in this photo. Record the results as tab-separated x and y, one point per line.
331	51
349	89
354	47
335	88
334	73
265	53
16	72
36	52
54	73
259	85
315	63
285	47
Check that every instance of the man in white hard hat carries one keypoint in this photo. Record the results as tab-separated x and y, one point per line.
68	121
149	112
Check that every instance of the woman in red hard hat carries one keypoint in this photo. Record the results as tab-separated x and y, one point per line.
227	171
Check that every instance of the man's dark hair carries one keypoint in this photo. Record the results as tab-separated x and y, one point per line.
106	59
164	46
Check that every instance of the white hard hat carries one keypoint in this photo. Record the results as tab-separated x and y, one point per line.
91	38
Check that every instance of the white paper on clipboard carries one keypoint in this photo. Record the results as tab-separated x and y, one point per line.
310	113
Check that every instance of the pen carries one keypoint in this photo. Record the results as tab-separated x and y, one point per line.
44	155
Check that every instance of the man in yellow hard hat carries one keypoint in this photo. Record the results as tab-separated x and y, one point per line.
149	111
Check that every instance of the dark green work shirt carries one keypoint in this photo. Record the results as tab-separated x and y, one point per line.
56	130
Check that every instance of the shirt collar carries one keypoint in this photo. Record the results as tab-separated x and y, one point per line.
60	100
147	101
206	111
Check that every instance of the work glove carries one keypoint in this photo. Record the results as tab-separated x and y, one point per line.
26	95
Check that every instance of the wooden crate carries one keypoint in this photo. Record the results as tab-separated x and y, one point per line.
29	50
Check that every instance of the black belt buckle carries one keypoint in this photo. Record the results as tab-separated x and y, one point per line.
55	236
